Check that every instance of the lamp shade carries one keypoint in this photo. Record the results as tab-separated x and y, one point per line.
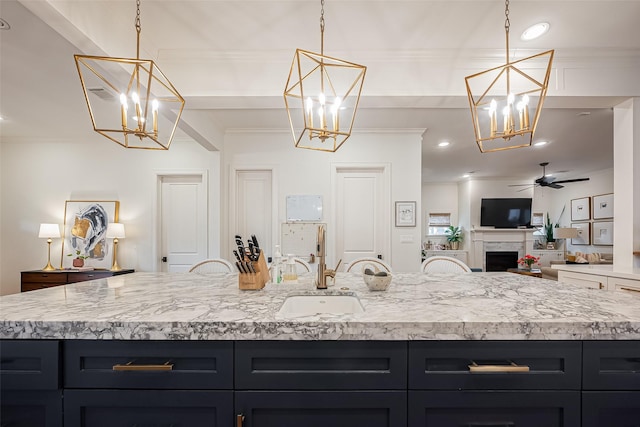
115	230
49	231
565	233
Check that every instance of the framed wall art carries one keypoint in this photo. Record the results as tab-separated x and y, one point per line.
584	237
405	214
602	233
603	206
580	209
537	219
85	230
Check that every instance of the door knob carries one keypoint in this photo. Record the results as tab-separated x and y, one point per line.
164	259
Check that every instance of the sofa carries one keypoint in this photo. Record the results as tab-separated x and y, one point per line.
580	258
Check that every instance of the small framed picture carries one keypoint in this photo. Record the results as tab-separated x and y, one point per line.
537	219
580	209
602	233
603	206
584	237
405	214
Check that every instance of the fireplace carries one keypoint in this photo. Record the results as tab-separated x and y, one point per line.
501	260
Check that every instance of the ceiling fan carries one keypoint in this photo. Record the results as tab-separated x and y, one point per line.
548	181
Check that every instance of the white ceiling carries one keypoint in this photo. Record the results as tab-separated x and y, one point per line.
230	60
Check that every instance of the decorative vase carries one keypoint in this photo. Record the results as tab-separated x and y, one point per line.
78	262
455	245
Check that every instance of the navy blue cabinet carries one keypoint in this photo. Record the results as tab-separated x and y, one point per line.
611	384
30	383
494	383
154	383
321	383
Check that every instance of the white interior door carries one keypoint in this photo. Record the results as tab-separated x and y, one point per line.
361	203
253	195
183	221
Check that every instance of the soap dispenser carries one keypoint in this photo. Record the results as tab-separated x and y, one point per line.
276	266
290	272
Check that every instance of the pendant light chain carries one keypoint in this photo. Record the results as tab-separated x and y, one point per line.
507	25
321	27
138	28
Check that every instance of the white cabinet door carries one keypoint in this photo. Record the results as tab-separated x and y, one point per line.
581	279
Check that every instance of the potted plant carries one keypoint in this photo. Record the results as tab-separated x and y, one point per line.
454	236
78	261
548	233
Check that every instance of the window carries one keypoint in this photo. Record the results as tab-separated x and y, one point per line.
437	223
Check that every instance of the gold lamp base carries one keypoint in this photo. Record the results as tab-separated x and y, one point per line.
115	266
49	267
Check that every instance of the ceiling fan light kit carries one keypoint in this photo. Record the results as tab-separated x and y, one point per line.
130	100
506	101
321	97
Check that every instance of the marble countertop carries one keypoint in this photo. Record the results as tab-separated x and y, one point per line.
188	306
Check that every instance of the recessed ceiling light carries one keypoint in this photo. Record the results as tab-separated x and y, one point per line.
466	175
443	144
535	31
540	143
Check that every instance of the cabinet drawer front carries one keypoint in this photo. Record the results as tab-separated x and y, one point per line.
59	278
322	408
109	408
494	409
29	365
31	408
585	280
316	365
445	365
611	365
148	364
93	275
613	408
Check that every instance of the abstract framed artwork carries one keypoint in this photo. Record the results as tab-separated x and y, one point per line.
602	233
580	209
405	214
603	206
85	230
584	237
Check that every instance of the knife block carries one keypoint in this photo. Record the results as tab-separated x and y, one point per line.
257	280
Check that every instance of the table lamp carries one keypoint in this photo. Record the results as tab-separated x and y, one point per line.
115	231
49	231
565	233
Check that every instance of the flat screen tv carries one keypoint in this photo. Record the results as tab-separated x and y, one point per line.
505	213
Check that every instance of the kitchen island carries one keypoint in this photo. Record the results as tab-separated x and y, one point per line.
432	350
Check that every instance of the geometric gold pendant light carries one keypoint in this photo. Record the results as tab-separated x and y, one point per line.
130	100
506	101
321	97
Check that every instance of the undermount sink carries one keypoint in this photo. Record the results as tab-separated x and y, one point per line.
321	304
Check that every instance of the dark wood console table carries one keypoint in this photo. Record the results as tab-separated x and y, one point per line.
534	272
38	279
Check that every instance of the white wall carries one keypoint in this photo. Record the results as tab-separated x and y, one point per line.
300	171
38	177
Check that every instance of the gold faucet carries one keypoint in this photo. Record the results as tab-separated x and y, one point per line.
323	271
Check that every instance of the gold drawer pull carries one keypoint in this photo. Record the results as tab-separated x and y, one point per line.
239	420
511	367
629	289
131	367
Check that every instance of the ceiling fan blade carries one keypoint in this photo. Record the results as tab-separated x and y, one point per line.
520	185
572	180
555	185
522	189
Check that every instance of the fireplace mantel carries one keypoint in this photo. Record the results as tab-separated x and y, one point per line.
510	239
